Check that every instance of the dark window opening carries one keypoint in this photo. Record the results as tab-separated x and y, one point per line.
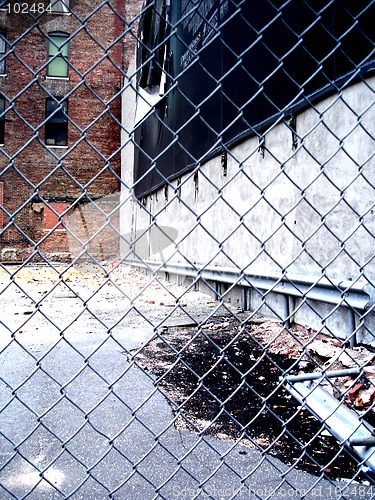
152	54
56	128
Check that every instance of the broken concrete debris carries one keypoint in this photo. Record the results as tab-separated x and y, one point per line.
350	358
356	391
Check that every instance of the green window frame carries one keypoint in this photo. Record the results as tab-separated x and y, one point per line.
58	55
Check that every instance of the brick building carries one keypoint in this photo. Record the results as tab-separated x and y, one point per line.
61	71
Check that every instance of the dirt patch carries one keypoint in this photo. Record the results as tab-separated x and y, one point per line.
223	379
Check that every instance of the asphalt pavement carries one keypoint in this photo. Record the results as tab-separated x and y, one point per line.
80	420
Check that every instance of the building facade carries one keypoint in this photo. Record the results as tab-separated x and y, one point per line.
62	67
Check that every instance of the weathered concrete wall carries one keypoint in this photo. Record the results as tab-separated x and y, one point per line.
300	209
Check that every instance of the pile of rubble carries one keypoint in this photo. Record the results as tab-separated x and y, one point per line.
319	352
356	390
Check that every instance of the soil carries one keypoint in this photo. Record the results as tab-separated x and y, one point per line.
222	379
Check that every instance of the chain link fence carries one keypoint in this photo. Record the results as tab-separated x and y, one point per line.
187	249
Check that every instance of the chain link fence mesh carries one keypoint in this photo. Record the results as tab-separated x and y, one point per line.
187	249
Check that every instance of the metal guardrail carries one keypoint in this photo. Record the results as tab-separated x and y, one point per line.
331	291
355	296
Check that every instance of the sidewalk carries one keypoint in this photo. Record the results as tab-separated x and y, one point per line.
80	422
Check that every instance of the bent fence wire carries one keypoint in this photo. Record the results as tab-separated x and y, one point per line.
187	249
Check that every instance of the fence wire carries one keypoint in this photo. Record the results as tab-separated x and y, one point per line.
187	249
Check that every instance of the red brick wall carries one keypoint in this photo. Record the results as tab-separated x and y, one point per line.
51	216
97	225
30	174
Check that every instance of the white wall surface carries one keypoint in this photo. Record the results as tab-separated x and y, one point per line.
304	211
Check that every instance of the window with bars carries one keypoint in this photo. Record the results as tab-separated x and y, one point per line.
56	128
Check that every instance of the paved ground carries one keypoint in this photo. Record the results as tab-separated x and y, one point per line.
78	421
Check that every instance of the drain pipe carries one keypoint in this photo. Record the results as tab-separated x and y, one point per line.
351	328
286	311
245	304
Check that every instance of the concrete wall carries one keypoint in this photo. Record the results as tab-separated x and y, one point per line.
302	208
